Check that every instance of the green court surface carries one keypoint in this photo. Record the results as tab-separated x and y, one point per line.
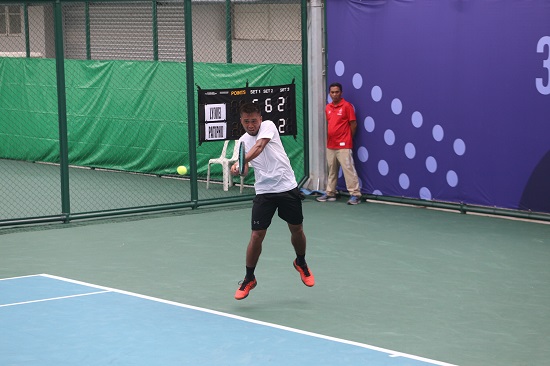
463	289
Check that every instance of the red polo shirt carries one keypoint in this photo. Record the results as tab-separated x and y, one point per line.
338	119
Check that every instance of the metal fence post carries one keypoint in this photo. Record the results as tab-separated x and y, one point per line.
62	111
191	100
305	89
228	33
88	38
155	32
26	24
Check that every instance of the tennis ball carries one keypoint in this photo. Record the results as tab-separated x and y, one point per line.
182	170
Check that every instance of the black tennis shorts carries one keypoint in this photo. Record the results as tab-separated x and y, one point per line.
288	204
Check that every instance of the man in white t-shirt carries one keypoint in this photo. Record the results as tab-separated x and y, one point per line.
276	189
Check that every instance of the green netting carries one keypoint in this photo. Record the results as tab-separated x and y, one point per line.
121	115
28	109
125	85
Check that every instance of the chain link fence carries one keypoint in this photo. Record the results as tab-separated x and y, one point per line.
96	111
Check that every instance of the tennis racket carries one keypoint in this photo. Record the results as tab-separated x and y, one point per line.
241	158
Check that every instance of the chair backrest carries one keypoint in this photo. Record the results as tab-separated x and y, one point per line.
235	155
224	150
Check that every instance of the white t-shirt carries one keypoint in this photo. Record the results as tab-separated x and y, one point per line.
272	169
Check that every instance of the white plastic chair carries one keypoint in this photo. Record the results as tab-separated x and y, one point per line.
226	163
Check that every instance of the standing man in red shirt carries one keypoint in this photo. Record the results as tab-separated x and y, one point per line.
341	129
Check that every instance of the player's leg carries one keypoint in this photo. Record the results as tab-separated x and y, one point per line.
254	248
345	158
298	239
290	210
263	210
253	252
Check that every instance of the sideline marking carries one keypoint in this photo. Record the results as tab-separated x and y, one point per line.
15	278
390	353
53	298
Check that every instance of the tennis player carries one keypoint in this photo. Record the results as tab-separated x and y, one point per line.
276	189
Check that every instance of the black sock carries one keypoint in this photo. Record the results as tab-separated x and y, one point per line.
300	260
250	273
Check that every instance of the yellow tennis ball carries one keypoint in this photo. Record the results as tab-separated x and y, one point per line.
182	170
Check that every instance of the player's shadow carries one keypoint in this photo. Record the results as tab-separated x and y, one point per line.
536	194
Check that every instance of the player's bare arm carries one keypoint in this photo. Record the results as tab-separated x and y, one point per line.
235	169
256	150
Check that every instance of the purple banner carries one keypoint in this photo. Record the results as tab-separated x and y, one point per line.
452	97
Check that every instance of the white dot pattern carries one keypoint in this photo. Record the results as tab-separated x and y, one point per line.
422	163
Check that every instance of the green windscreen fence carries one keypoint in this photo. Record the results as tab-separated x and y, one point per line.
121	115
125	90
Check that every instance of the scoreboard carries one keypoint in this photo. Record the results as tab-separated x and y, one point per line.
219	117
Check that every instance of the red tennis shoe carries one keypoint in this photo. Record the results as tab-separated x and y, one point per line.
244	289
305	274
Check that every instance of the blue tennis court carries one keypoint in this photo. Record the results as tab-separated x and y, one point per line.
49	320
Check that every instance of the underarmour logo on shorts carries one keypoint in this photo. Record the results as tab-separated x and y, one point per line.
256	222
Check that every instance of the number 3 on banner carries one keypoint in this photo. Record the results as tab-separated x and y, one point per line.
544	41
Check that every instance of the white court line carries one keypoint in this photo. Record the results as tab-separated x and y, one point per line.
227	315
53	298
15	278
